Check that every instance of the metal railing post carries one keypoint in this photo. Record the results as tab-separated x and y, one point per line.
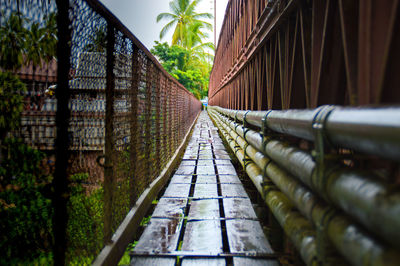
60	182
109	145
134	125
147	130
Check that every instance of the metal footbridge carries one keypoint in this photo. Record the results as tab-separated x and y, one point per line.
295	161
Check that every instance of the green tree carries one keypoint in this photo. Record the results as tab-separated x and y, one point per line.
182	14
198	51
191	72
12	42
36	43
49	40
34	47
11	102
172	57
49	37
25	209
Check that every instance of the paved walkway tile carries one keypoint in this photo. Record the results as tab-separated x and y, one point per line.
205	216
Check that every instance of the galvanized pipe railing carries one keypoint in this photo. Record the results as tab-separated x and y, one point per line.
330	195
370	130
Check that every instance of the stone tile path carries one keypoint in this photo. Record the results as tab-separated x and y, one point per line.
205	216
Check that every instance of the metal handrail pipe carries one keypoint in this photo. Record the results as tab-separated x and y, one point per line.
373	131
356	246
353	242
366	198
296	227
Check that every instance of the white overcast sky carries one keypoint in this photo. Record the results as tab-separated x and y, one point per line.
139	16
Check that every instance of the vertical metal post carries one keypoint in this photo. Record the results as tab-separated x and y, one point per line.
109	145
170	122
175	118
147	130
134	125
158	122
60	181
165	101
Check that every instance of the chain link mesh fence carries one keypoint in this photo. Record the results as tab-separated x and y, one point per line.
127	117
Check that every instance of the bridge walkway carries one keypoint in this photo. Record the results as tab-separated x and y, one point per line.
205	216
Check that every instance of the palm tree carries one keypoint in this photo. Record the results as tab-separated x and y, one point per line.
34	54
12	42
198	51
182	14
34	48
49	40
193	40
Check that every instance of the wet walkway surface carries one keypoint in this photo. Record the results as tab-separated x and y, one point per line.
205	216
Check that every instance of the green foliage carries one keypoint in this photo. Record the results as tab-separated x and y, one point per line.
182	16
172	57
12	41
126	258
85	222
193	80
11	102
21	38
25	209
189	70
145	221
187	59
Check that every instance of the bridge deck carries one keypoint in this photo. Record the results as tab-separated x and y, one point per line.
205	216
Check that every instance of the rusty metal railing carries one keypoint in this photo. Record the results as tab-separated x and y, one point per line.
333	200
143	116
285	54
111	121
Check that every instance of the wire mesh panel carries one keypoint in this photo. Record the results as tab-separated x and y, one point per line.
123	118
135	108
27	131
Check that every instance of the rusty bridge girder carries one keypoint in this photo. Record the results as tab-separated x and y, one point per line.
303	54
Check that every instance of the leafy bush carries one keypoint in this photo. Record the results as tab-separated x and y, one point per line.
85	222
11	102
25	209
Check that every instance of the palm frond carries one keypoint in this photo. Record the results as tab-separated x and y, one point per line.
166	28
193	6
206	24
175	7
203	15
165	16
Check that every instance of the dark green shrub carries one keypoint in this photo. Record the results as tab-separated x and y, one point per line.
85	222
25	209
11	102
